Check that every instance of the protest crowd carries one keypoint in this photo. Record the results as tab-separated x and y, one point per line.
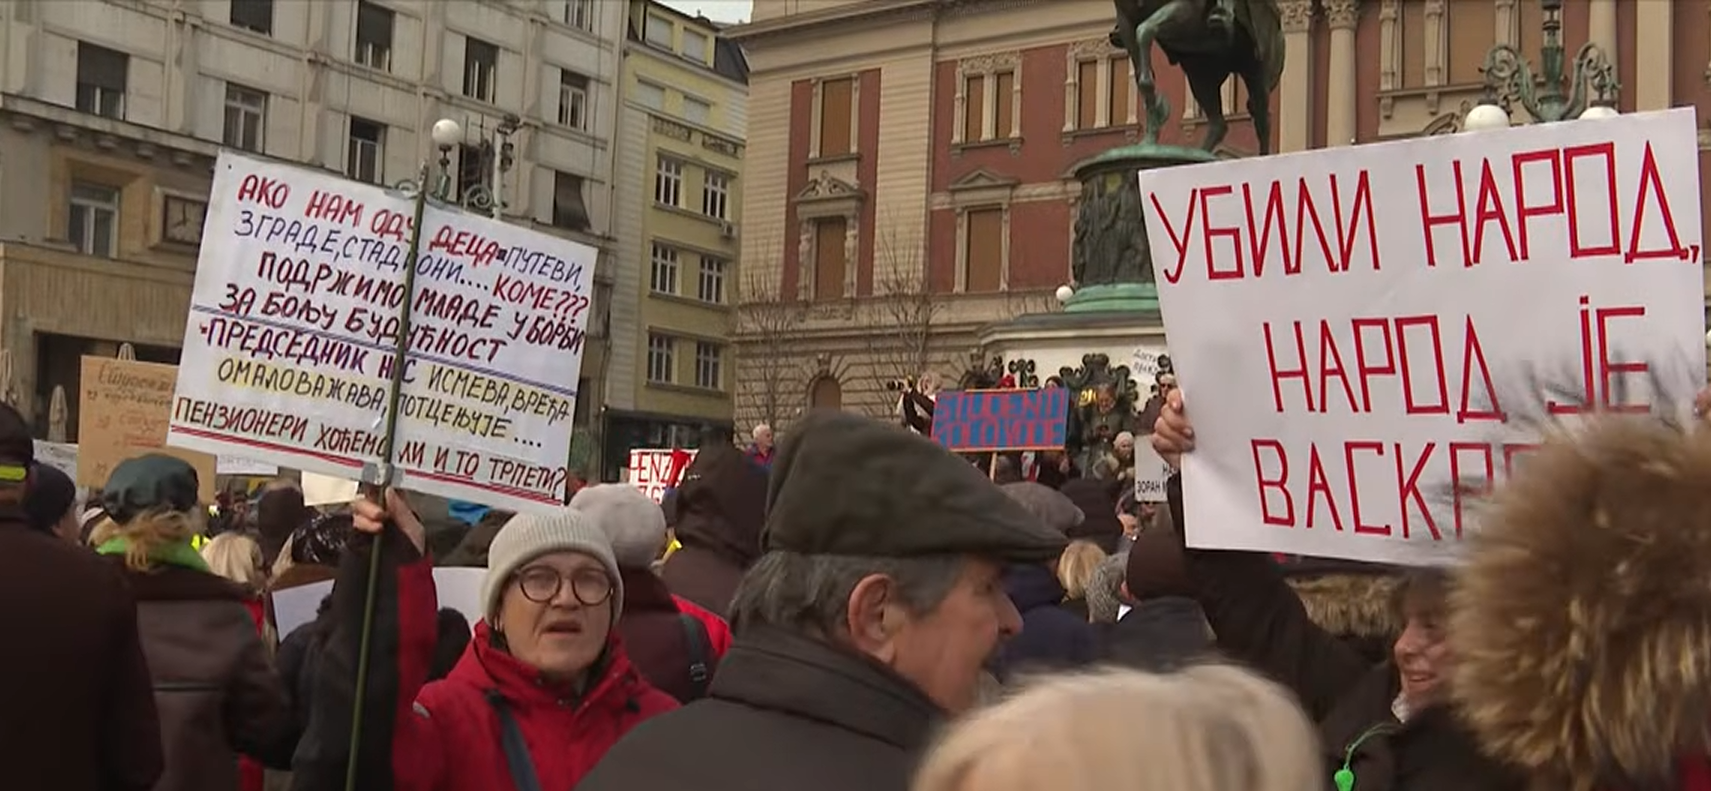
1002	584
864	610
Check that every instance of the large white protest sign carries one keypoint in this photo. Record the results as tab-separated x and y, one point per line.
298	307
1359	330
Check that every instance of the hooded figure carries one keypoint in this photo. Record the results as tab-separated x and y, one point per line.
1052	638
1581	623
278	513
1349	599
721	506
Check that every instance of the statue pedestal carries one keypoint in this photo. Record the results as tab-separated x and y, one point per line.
1114	310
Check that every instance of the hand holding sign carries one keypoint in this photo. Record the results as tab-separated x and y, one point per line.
1173	435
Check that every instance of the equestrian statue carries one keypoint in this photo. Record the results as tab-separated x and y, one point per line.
1210	40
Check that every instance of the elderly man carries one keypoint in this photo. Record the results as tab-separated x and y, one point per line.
761	451
864	625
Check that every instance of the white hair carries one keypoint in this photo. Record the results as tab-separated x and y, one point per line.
758	429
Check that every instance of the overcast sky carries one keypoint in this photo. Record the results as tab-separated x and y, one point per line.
716	10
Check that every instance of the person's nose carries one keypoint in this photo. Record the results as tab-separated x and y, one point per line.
1009	619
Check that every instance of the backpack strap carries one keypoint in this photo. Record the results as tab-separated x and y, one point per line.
695	638
511	740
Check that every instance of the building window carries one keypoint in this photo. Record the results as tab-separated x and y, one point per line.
1117	93
569	210
650	96
374	36
364	155
93	224
983	250
708	357
668	182
695	46
662	350
711	284
480	69
472	170
663	279
658	31
829	258
716	195
579	13
696	111
987	101
837	108
826	393
256	15
572	99
1087	94
101	77
246	117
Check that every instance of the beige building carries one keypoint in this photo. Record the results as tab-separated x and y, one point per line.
909	180
682	122
113	113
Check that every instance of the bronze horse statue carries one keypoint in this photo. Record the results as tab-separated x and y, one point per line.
1210	40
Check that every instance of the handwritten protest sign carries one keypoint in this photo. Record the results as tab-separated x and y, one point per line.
651	471
1360	330
298	307
995	420
123	412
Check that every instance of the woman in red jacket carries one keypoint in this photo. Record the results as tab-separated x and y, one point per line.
542	692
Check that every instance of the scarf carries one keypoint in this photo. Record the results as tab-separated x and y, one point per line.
175	554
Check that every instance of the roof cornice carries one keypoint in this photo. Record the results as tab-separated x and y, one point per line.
871	10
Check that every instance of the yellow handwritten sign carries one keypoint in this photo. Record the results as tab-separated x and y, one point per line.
123	412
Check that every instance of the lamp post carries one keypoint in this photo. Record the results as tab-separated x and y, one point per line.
1553	95
445	134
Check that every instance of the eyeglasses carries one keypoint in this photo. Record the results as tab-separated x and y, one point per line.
542	584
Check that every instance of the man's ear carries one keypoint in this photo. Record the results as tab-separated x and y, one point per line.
872	616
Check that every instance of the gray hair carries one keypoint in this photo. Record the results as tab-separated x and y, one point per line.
1104	595
759	429
811	593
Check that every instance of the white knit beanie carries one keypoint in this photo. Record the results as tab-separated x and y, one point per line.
528	536
634	523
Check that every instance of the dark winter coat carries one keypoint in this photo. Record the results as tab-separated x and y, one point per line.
721	507
445	735
215	686
1259	620
1158	635
1051	638
659	642
785	713
77	711
1098	503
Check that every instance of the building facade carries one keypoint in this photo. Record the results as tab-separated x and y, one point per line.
682	124
912	171
115	110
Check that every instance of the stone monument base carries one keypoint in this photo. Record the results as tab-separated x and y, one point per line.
1114	176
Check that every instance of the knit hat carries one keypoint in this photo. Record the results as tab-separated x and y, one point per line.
529	536
634	523
17	447
49	496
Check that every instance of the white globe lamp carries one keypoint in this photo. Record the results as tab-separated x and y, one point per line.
1064	293
1485	117
446	133
1599	112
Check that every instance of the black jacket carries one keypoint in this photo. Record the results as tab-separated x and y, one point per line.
1157	635
785	713
1052	638
1259	621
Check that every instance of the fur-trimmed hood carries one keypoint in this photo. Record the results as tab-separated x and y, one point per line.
1582	620
1350	604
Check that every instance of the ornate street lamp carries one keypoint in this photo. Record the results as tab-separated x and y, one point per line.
1509	78
481	196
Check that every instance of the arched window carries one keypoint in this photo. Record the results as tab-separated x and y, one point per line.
826	393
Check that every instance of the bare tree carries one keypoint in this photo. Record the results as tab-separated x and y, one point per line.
767	324
902	316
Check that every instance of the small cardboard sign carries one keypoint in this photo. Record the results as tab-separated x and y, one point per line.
123	412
